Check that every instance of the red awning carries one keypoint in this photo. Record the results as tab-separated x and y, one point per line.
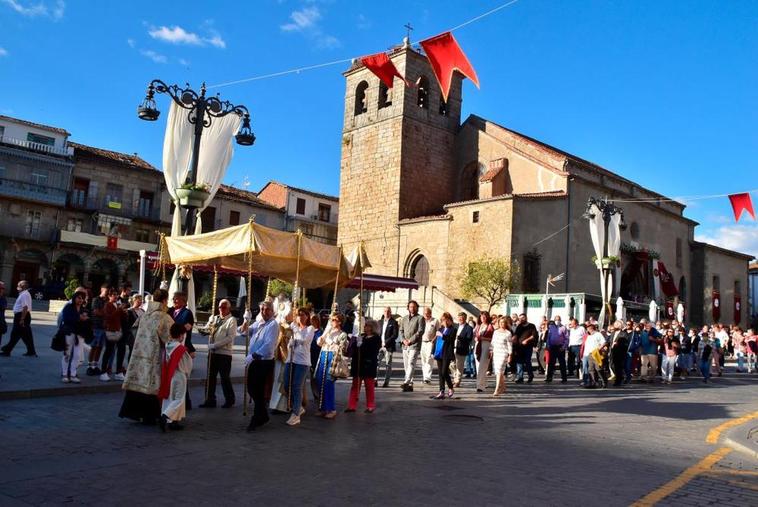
383	283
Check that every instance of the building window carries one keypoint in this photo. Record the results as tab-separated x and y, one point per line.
385	96
716	285
74	225
209	219
2	132
145	203
475	217
39	139
678	252
39	177
531	274
324	212
234	218
306	228
113	195
361	102
33	219
422	100
79	192
634	231
443	106
300	206
142	235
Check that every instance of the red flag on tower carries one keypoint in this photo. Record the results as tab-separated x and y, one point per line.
383	68
446	56
740	203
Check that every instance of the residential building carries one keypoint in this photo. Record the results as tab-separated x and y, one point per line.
753	294
36	162
315	214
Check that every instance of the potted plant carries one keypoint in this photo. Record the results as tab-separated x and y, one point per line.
193	194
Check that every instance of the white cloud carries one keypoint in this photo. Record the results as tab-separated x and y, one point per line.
52	10
156	57
306	21
302	19
363	23
3	51
183	62
178	35
740	237
132	43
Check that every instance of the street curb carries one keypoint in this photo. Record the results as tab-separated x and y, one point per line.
111	387
738	438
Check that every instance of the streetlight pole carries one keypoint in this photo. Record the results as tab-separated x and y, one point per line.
608	209
202	110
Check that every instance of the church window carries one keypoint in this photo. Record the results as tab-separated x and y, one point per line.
361	104
716	282
678	252
531	278
420	270
682	289
737	288
475	217
634	230
385	96
423	93
443	106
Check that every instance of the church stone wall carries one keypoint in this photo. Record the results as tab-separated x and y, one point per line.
427	238
729	268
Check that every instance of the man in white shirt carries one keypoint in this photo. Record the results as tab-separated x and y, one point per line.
576	339
220	347
260	362
22	322
427	345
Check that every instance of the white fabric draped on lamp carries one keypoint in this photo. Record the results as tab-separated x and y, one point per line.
177	150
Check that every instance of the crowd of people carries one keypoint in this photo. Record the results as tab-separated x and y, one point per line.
147	345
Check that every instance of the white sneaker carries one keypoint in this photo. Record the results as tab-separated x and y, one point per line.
119	376
75	380
293	420
105	377
65	380
301	411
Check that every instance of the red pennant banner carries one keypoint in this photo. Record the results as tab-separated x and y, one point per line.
667	281
446	56
740	203
383	68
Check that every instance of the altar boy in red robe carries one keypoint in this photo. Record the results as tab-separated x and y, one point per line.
175	372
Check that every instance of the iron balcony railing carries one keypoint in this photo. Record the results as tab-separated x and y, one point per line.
32	191
66	151
114	206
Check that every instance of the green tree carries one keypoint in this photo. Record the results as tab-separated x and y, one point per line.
70	287
490	279
278	286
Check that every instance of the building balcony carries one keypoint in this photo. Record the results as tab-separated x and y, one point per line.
111	207
33	192
66	151
19	228
99	240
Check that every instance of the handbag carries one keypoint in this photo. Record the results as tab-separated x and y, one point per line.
113	336
339	368
59	341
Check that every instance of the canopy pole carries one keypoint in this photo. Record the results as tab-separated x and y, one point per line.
162	256
212	334
247	308
360	294
296	308
337	281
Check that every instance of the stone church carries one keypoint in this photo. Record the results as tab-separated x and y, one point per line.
427	193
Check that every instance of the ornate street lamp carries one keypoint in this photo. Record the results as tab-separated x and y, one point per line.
202	110
608	209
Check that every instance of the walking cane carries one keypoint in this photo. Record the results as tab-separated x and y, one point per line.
212	332
247	310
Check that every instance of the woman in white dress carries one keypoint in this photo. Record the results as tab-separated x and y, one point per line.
501	349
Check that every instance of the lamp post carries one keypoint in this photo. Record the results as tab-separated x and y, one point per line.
202	110
607	209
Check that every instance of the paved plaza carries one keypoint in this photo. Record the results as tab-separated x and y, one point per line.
540	444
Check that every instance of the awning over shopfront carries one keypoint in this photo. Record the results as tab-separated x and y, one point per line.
383	283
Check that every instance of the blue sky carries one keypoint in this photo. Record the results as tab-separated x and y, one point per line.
663	93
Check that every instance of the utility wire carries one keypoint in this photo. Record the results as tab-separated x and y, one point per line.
346	60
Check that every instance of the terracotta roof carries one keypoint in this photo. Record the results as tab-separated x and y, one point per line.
114	156
553	194
428	218
245	196
302	191
35	125
490	175
753	266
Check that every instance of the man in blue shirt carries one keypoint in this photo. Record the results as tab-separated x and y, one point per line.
650	339
260	362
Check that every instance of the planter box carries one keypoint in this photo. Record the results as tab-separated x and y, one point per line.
193	198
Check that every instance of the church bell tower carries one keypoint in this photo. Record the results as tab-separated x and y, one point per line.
397	154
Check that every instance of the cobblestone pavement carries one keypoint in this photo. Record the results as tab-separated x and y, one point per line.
540	444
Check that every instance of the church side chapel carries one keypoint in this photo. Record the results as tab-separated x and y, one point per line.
428	193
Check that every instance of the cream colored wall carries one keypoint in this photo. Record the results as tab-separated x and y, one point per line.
430	239
729	269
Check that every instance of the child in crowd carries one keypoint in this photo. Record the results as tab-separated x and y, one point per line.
175	371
